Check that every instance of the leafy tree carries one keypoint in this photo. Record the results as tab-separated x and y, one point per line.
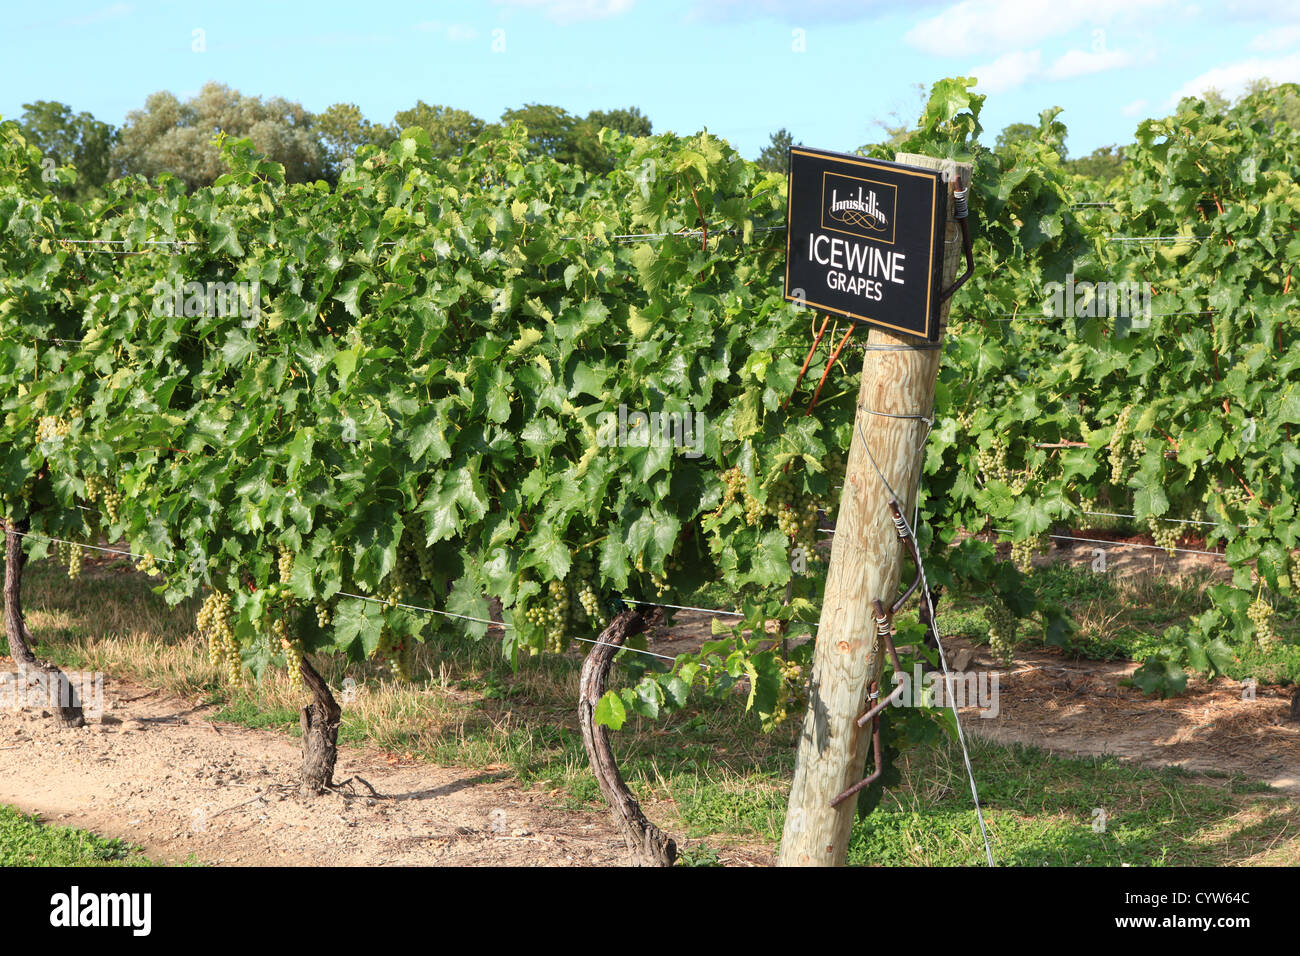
629	122
451	131
1047	130
180	138
1014	133
775	156
343	130
78	140
589	152
551	129
1103	164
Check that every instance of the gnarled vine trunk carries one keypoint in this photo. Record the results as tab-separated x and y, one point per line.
320	733
52	686
648	845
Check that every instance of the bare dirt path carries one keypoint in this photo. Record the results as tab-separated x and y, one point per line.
156	772
1079	707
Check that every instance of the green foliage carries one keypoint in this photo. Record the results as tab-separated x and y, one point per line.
1102	165
775	157
418	412
451	131
343	130
65	139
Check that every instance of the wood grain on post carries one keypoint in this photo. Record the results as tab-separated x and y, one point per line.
866	562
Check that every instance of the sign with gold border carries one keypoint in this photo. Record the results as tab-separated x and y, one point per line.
864	239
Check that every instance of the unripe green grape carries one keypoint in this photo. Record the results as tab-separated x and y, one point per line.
75	558
285	564
1260	613
1164	534
1118	456
1022	554
1002	631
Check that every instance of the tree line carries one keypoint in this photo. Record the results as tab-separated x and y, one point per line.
179	137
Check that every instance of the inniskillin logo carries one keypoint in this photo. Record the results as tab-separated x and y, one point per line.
861	210
77	909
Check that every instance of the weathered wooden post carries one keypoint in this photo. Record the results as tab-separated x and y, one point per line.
898	379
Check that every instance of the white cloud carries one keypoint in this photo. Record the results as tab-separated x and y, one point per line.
1008	71
1278	39
1135	108
452	31
1081	63
1232	79
798	12
1019	67
995	26
572	11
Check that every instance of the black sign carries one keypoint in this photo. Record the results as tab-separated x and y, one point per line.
864	239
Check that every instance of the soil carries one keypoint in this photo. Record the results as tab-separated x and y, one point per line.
156	772
1079	708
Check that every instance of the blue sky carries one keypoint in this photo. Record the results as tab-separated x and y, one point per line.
825	69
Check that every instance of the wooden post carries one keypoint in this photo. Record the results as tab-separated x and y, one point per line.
866	563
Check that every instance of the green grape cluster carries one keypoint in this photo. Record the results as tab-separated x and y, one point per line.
324	614
214	621
550	612
292	653
794	693
733	486
1022	553
51	427
1198	515
588	609
796	516
590	606
147	565
1164	533
423	556
736	487
992	461
1230	500
1087	505
414	564
1116	449
72	556
1260	613
396	588
98	490
1002	631
396	652
284	564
